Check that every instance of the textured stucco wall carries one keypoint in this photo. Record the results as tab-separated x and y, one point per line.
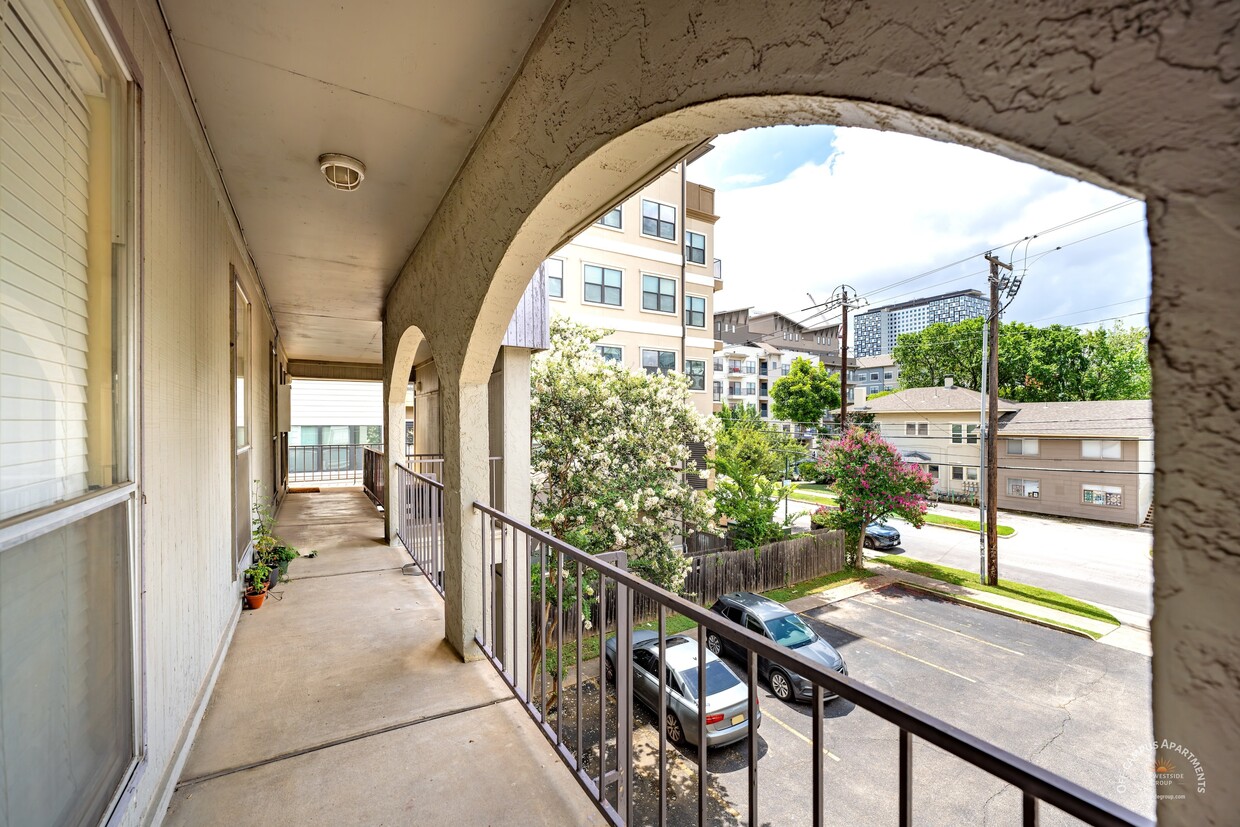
1140	95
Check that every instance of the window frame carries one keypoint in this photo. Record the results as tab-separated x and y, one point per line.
1023	442
603	286
689	311
657	367
1024	484
598	348
689	234
691	375
1102	449
1104	490
549	277
617	227
660	221
659	295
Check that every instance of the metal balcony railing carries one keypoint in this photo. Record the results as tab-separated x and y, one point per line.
541	595
326	463
419	521
373	476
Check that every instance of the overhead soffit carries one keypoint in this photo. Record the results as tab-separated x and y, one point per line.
404	86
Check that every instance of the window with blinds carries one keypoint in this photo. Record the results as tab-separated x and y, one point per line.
67	702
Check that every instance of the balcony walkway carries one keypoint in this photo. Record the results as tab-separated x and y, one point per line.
340	703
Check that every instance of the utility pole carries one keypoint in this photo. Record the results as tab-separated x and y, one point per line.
845	298
990	431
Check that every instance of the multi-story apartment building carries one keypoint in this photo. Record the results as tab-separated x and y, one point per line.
746	373
874	373
744	327
875	331
645	270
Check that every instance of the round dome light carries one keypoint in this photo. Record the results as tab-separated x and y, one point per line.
342	171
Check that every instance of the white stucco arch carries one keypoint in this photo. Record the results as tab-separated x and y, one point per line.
1138	98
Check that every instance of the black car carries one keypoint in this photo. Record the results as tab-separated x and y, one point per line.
773	620
881	536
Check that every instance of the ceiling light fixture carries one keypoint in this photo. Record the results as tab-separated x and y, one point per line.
342	171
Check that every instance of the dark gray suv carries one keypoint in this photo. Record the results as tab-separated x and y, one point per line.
774	621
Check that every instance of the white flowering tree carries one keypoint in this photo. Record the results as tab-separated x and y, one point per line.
609	448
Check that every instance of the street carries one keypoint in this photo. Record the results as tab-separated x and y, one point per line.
1061	701
1105	564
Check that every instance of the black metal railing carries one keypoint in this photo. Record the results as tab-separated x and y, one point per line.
534	586
326	463
373	476
419	521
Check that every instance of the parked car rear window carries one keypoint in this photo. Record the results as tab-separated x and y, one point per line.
718	678
789	630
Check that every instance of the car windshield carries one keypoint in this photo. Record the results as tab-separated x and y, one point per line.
789	630
718	678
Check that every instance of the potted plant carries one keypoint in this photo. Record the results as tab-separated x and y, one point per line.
256	585
269	549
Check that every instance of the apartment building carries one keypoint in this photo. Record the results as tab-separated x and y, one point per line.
1090	460
875	331
645	270
874	373
745	327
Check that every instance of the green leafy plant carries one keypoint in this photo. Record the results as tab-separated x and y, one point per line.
750	503
257	575
270	550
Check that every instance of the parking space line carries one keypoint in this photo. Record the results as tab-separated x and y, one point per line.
803	737
865	639
937	626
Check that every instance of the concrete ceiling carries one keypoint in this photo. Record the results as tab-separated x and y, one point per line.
404	85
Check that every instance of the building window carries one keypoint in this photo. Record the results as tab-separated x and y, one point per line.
1111	496
695	311
886	374
658	220
751	367
718	391
658	294
874	377
659	361
695	369
763	410
734	389
1101	449
970	473
957	472
554	268
910	429
67	575
751	389
965	433
695	247
719	365
611	353
1022	447
1022	488
613	218
916	428
933	471
603	285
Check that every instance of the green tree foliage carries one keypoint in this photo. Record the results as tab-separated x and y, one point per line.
750	501
1036	364
745	438
873	482
806	393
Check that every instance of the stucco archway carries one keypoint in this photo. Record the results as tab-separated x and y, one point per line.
1139	98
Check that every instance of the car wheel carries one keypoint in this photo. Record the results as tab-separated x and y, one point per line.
611	671
714	643
868	542
780	685
675	733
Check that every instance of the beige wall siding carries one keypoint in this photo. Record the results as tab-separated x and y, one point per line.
188	245
936	443
1060	491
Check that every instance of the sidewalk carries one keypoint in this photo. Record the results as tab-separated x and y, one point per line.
339	702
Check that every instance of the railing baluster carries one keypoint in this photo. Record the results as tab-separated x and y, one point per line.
529	641
624	701
542	627
1030	815
819	748
752	665
661	723
486	567
559	647
701	724
602	686
580	629
906	778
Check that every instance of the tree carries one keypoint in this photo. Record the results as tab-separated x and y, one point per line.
806	393
873	481
1057	363
750	502
608	448
743	437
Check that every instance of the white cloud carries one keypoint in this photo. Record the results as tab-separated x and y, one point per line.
744	178
888	206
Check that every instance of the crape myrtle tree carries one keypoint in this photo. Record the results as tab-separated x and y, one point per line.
609	446
873	482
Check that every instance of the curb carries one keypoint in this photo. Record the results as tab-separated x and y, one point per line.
969	530
986	607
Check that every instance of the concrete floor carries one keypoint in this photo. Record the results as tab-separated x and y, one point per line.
340	703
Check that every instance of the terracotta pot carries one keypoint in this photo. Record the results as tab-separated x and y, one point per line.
255	601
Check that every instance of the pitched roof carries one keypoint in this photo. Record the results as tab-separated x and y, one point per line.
881	361
1115	418
928	400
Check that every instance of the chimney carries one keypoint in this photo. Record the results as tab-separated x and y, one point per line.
858	397
949	381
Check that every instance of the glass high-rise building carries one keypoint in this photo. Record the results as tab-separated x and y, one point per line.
875	331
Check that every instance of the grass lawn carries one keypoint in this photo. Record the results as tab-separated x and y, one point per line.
1020	591
672	624
818	584
972	525
817	486
801	495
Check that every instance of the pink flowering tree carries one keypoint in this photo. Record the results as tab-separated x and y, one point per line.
873	482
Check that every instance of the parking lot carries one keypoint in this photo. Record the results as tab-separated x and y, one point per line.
1066	703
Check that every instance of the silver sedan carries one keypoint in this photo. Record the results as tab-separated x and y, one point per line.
727	696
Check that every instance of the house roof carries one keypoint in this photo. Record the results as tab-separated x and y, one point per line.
1130	418
881	361
937	399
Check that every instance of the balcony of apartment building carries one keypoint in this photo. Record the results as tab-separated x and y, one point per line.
365	198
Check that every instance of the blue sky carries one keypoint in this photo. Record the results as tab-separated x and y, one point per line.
804	209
